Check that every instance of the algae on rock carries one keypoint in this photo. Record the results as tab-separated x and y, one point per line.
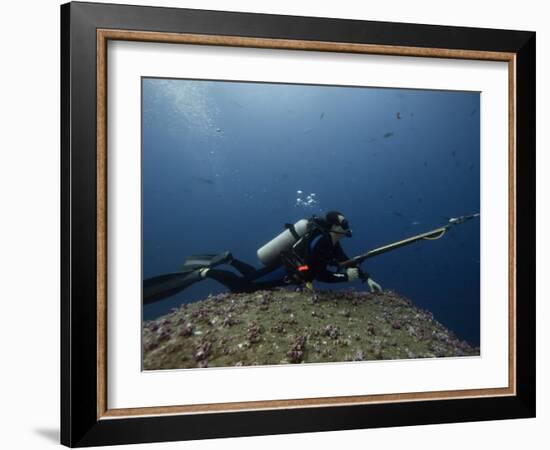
290	327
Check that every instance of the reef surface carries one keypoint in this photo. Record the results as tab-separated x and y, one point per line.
291	327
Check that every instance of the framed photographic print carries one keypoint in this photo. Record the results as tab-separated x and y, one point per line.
276	224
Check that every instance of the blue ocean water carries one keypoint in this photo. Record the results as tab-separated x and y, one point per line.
223	163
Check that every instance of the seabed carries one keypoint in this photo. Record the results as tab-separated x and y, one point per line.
293	327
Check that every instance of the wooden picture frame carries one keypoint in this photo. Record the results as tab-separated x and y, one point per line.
86	418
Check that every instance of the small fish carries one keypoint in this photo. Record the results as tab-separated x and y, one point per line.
453	153
397	213
425	163
218	130
321	116
470	167
415	223
398	115
388	134
204	180
473	112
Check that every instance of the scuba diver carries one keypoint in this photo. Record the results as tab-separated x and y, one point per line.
299	255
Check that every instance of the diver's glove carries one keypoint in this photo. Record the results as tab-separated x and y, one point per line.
353	273
373	285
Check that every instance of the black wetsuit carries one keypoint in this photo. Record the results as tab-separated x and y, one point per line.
323	255
320	254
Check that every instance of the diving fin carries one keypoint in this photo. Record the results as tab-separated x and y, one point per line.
201	261
163	286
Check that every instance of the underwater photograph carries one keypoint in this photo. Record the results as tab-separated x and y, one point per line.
299	223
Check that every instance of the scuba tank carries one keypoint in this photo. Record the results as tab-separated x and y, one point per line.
270	253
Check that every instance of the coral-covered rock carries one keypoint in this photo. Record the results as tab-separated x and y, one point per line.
254	333
396	324
283	326
202	351
296	353
186	330
332	331
229	321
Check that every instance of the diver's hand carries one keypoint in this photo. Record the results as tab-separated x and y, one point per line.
352	273
373	285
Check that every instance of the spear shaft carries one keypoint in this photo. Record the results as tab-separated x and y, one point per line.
431	235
